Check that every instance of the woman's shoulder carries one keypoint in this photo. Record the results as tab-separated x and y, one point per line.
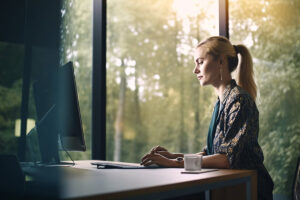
240	96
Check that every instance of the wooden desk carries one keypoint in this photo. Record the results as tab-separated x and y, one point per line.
84	181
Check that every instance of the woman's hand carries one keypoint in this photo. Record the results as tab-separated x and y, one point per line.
161	156
156	158
158	148
165	154
162	151
216	161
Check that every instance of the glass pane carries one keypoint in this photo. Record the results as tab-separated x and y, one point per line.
271	29
152	95
76	46
11	66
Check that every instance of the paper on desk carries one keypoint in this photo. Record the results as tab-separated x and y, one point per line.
198	171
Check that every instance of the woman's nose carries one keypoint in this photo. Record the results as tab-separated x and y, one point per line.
196	70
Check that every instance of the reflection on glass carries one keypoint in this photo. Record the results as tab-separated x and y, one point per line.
30	125
11	65
152	96
271	30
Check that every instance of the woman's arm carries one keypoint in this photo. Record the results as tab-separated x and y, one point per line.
215	161
201	153
219	161
212	161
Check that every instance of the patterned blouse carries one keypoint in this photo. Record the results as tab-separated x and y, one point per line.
236	136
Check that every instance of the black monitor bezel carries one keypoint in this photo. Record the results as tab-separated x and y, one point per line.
62	136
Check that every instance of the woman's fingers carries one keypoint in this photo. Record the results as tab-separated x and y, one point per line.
167	154
146	156
147	160
157	159
155	150
149	163
150	159
144	162
164	153
158	148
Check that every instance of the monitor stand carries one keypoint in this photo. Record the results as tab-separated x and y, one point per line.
49	140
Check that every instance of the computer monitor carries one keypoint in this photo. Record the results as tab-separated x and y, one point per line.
59	122
70	126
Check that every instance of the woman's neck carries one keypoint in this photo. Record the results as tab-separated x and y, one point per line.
219	88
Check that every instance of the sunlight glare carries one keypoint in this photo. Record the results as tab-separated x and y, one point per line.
184	8
187	9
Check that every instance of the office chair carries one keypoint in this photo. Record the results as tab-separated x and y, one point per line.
12	179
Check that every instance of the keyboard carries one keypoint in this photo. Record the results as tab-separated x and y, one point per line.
110	165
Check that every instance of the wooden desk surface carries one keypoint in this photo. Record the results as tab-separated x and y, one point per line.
90	183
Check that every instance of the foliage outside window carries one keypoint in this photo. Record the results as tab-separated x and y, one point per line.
272	30
152	95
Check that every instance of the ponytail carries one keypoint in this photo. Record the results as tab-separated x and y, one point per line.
245	74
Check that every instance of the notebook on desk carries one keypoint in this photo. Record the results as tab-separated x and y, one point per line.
115	165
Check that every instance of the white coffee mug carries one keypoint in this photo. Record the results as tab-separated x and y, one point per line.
192	162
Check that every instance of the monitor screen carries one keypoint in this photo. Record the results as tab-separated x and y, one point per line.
69	120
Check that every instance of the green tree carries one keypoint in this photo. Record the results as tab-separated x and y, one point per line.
11	63
271	29
160	84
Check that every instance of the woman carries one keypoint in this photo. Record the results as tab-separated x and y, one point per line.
233	131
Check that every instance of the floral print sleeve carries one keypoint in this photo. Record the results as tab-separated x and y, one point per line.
238	133
236	136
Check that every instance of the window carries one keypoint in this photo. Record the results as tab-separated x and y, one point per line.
152	95
271	30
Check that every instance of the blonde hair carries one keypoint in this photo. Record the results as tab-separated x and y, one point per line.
218	45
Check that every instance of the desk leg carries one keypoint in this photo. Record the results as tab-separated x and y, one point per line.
207	194
233	192
248	190
253	186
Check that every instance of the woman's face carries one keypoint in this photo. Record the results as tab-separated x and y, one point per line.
207	69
